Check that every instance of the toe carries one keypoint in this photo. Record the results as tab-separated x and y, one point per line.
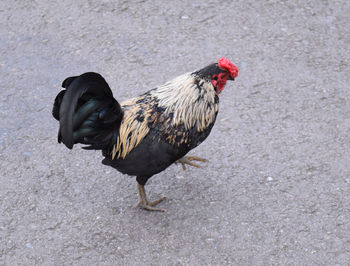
153	203
149	208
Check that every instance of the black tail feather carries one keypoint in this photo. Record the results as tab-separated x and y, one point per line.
87	112
56	105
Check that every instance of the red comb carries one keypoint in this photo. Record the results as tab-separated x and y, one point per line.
227	65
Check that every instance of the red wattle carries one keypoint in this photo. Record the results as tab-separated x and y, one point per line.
219	81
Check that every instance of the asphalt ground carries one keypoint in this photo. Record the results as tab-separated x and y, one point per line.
276	189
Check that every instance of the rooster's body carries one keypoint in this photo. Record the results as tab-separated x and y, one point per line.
144	135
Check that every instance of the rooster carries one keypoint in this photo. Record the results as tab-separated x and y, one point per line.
144	135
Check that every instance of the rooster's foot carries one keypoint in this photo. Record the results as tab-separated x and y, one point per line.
145	204
188	160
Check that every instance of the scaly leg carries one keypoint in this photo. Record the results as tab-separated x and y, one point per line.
188	160
144	203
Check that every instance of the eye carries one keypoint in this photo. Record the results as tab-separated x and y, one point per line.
215	78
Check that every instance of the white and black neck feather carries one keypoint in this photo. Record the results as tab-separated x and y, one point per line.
191	99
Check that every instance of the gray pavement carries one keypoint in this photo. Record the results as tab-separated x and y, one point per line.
276	189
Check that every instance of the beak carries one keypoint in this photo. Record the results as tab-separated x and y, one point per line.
231	78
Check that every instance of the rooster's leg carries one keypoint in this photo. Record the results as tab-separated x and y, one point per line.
144	203
188	160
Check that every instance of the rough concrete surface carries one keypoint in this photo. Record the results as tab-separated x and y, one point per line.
276	189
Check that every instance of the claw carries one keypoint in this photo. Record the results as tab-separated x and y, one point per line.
149	205
188	160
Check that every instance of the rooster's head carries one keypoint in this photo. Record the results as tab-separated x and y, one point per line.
219	73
